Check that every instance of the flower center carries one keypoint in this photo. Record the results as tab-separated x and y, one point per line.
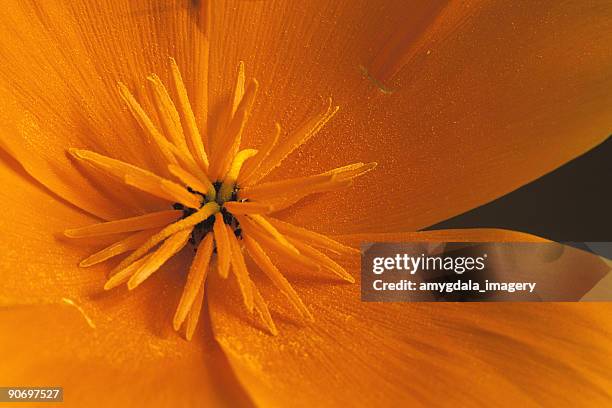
223	223
203	228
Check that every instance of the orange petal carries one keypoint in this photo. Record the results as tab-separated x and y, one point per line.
64	61
33	246
480	112
116	362
331	40
426	354
105	349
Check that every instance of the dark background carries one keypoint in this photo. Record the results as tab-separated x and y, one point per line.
573	203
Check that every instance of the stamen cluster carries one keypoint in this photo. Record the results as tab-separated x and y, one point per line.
223	223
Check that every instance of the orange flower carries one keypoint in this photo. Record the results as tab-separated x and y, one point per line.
478	98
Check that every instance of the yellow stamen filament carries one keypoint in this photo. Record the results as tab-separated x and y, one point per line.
352	170
296	186
168	115
141	222
280	203
190	200
323	260
114	167
124	274
230	143
251	167
118	248
229	111
269	228
239	88
295	189
190	127
195	218
241	208
195	280
225	193
242	274
203	185
167	250
145	123
131	175
263	311
265	264
312	238
194	313
186	160
283	252
224	250
162	188
295	140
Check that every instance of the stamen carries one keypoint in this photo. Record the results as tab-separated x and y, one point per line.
145	122
195	280
280	203
269	228
272	244
229	111
227	188
323	260
130	174
114	167
118	248
352	171
194	313
141	222
247	207
251	167
202	185
295	140
162	188
265	264
242	274
239	88
124	274
230	143
217	205
179	192
295	186
224	250
168	115
186	160
192	134
312	238
203	213
262	310
166	251
302	186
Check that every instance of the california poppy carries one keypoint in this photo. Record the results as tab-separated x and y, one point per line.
457	104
